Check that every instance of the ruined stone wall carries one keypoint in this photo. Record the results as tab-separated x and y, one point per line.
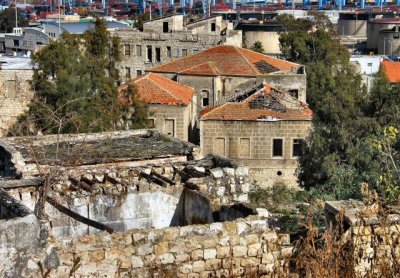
287	82
249	143
224	186
229	249
15	96
21	235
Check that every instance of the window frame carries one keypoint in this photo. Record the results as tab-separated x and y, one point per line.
292	151
282	150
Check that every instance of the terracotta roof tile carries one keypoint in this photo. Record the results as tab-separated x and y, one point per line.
155	89
392	71
226	60
244	111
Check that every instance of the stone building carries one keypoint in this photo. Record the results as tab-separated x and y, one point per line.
262	128
15	91
167	39
221	71
172	105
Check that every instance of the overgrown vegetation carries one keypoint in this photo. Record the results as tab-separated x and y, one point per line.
347	120
75	83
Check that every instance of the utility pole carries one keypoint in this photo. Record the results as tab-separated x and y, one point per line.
16	15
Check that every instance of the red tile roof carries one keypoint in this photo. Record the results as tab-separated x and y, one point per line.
287	108
155	89
391	70
226	60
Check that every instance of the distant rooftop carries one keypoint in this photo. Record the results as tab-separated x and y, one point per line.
15	63
81	27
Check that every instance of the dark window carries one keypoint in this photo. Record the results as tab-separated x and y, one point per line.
213	28
139	50
39	43
205	98
165	27
158	54
277	147
395	36
184	52
128	72
297	147
16	42
149	54
195	50
294	93
138	72
127	49
176	52
169	52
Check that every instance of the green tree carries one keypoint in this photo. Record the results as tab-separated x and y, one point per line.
330	162
75	83
7	20
257	47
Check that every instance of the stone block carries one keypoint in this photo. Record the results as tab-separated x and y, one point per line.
210	253
144	249
66	259
283	239
242	227
198	266
223	251
97	255
213	264
167	258
229	171
197	254
242	171
185	268
137	262
124	264
210	242
230	227
161	248
182	257
193	275
217	173
249	262
206	274
254	249
239	251
252	238
128	238
216	227
224	241
220	191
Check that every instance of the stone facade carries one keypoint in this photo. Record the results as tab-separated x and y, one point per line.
250	143
15	96
181	119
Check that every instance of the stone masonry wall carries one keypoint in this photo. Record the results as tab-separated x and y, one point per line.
257	155
182	115
229	249
15	96
193	43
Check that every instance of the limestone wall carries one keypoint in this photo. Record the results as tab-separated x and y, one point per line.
229	249
226	138
15	96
